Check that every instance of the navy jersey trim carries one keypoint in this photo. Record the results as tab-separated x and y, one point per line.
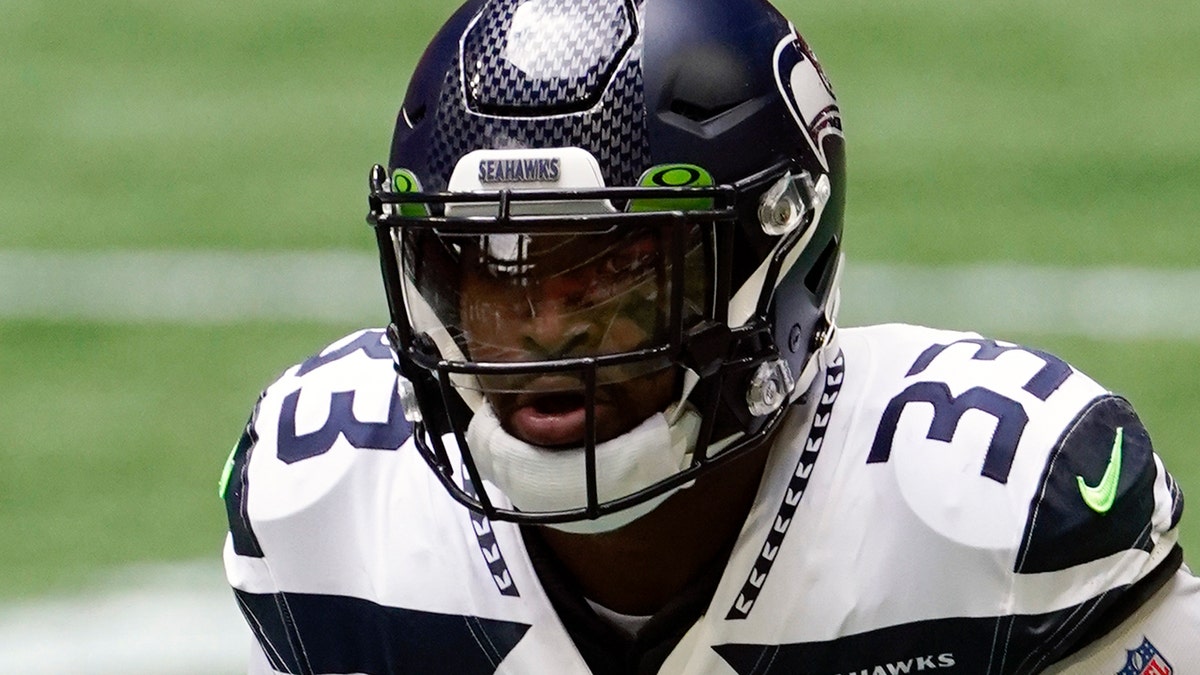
245	543
1002	645
271	622
1062	529
489	546
311	634
753	585
1128	602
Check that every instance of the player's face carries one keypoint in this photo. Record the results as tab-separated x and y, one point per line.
542	297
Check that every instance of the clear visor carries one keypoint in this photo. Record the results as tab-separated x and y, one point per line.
507	298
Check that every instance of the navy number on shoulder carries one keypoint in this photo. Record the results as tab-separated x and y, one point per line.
948	409
370	343
1045	382
387	435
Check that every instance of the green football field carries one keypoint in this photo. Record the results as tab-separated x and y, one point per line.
1050	133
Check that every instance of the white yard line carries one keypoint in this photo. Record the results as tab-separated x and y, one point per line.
344	287
1102	302
191	286
150	620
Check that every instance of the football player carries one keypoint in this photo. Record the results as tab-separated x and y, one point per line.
613	427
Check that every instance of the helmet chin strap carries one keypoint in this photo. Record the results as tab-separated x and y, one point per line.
535	478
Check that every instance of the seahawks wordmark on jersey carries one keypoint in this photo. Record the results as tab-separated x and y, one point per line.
940	503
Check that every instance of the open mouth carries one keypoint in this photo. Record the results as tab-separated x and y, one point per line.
551	412
551	419
557	404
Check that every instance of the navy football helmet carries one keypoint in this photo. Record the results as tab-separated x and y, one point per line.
669	173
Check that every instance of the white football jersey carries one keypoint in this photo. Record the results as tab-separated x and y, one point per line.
939	502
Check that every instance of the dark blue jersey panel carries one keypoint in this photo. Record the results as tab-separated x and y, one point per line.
1008	645
1070	522
236	492
1002	645
318	634
269	619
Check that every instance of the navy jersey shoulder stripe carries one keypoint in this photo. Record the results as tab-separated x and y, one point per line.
999	645
1063	530
237	491
273	628
311	634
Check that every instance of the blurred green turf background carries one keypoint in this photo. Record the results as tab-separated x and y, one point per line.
1048	132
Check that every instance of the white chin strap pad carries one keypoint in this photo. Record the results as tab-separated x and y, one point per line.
535	478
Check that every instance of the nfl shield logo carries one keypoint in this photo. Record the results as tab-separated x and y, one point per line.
1145	660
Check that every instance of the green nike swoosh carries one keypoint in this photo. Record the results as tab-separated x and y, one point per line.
226	474
1101	497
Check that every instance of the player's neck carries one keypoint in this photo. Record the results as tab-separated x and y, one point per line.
642	566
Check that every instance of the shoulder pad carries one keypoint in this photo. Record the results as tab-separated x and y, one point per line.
1097	496
964	426
309	430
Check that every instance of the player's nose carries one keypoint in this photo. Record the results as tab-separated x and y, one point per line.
555	328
